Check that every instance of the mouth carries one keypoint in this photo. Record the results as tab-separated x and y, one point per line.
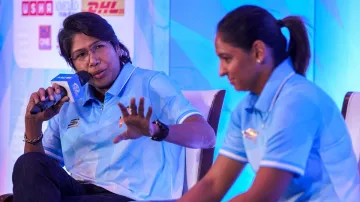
99	74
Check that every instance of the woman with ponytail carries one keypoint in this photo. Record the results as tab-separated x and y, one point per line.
289	131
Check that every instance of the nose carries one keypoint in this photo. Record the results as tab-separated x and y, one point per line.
222	70
93	59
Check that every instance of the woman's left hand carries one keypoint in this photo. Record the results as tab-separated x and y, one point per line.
137	124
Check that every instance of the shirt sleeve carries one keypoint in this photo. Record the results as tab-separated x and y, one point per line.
51	140
291	132
168	102
233	146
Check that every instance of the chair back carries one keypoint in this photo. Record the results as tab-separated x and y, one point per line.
199	161
351	112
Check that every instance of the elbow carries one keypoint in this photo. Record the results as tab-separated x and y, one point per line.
208	138
204	135
212	139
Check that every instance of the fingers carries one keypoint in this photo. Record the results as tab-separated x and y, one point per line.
42	94
55	109
141	107
134	111
117	139
57	91
34	98
121	137
58	106
50	93
133	106
56	87
149	113
123	109
54	92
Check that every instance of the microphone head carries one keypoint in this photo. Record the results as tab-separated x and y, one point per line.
72	84
84	77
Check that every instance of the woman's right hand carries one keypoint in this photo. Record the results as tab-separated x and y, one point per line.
40	95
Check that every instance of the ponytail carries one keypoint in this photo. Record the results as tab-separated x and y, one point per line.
299	47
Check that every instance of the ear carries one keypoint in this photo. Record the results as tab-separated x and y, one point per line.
259	51
118	50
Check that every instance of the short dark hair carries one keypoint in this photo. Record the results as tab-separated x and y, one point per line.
246	24
92	25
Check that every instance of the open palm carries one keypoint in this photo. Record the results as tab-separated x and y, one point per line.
137	123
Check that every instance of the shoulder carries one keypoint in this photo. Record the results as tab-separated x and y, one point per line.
141	73
151	78
302	95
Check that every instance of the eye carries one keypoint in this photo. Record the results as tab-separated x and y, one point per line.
226	59
80	55
99	46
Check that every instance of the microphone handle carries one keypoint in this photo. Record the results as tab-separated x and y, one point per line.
44	105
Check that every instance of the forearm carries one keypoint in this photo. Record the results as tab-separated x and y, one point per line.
216	182
269	185
245	197
254	197
33	130
203	191
192	135
34	148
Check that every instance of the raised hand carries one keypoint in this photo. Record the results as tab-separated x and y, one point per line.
137	123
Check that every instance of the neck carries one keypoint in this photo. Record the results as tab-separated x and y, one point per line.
100	94
262	79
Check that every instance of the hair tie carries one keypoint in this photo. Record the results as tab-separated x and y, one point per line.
281	23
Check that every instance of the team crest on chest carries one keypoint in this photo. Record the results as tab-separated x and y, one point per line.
250	134
73	123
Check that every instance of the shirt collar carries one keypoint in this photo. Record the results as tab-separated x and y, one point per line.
272	87
117	86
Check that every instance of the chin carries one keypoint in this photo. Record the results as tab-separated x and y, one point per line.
240	88
98	84
103	86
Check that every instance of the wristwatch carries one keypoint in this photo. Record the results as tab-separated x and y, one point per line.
162	133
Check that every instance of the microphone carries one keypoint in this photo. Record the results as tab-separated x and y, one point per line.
70	85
